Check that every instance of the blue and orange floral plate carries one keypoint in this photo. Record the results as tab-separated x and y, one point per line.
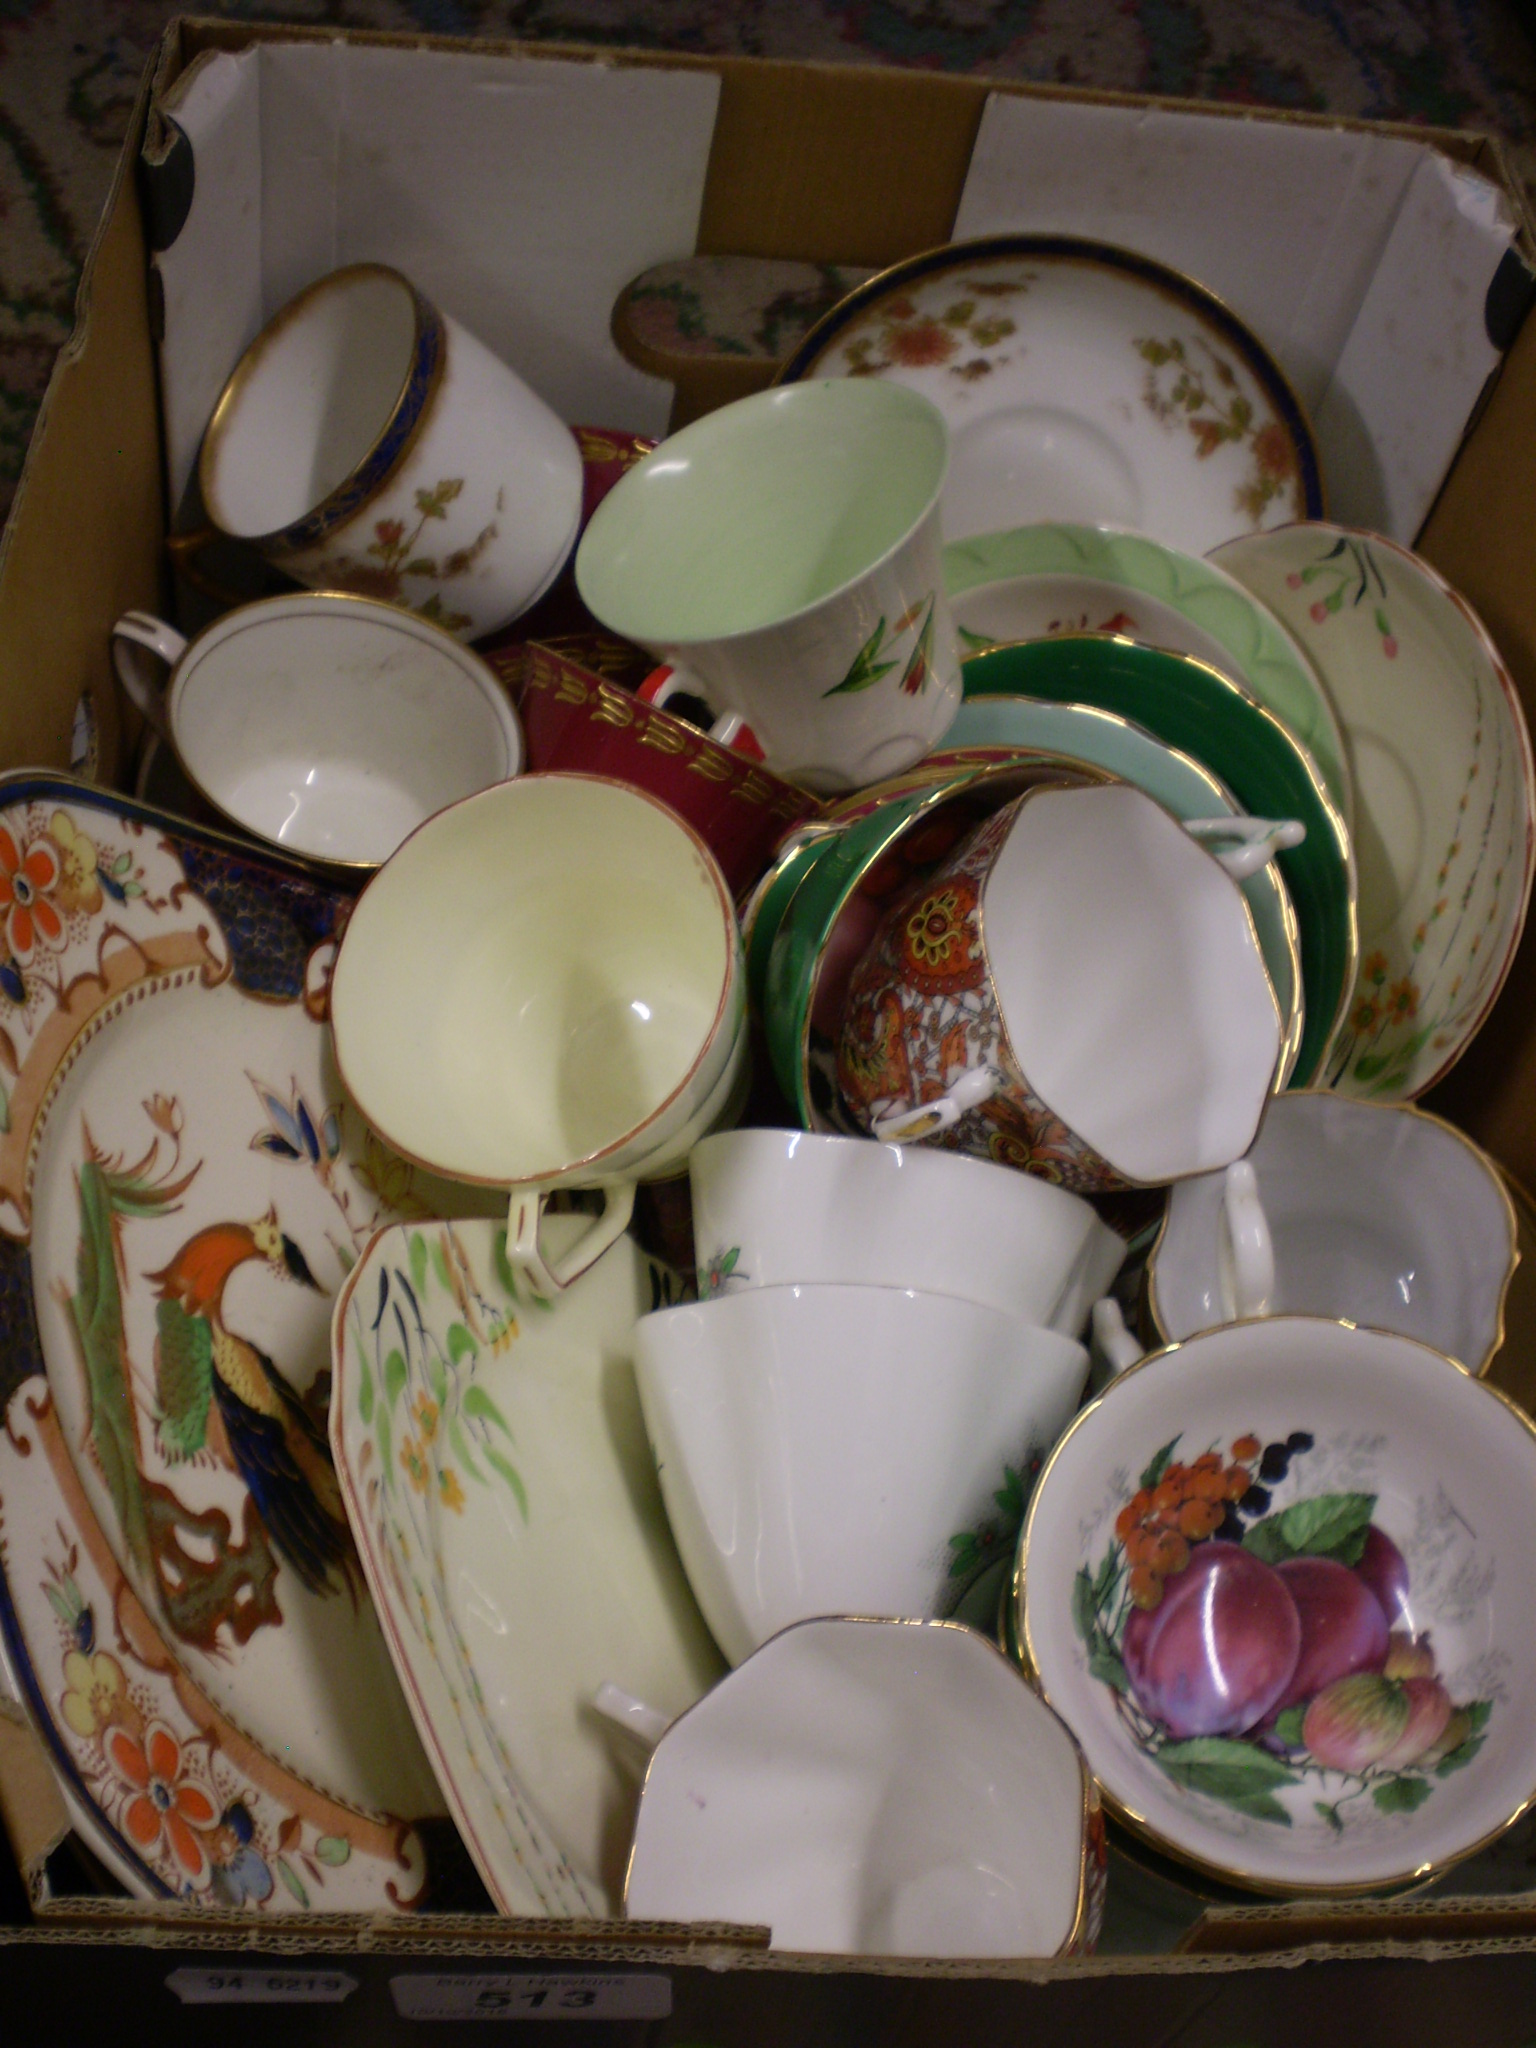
182	1192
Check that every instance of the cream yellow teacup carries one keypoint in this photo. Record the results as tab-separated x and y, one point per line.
543	989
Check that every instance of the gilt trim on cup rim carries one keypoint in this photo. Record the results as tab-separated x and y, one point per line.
1339	830
1495	1174
732	996
429	348
1076	1935
1023	1655
331	867
990	750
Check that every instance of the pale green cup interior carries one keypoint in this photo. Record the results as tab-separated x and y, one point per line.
762	509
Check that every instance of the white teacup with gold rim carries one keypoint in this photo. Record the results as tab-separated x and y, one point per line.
782	554
833	1449
543	989
869	1787
330	725
771	1207
1377	1212
365	441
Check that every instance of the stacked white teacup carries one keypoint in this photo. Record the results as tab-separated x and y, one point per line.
883	1334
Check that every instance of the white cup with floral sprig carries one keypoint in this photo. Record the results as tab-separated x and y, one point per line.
782	554
367	442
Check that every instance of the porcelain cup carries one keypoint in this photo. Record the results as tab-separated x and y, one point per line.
837	1449
864	1787
1376	1213
543	989
1080	989
782	555
330	725
773	1207
365	441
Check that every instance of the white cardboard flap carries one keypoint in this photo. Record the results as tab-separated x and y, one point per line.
211	275
1360	260
521	194
1418	354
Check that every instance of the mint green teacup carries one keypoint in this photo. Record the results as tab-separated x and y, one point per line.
783	555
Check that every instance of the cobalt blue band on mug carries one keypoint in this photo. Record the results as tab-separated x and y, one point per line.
428	352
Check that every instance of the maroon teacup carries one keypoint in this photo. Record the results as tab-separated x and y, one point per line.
574	719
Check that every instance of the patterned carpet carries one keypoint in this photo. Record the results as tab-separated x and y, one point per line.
69	70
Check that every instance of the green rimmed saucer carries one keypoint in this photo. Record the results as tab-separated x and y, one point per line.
1203	713
1035	580
1181	784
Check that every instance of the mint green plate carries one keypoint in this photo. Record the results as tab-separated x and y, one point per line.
1205	714
1033	580
1181	785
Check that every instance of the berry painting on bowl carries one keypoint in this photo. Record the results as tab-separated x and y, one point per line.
1274	1581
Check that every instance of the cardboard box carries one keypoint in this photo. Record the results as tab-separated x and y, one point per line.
1384	267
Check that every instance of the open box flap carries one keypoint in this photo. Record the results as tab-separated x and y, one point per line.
1362	260
522	195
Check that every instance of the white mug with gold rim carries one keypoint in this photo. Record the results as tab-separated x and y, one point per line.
367	442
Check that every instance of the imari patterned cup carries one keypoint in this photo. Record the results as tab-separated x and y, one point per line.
782	554
1080	992
366	442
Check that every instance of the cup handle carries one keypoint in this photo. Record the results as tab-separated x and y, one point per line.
1245	1247
529	1266
1114	1349
1260	839
638	1726
730	729
136	630
928	1119
646	1724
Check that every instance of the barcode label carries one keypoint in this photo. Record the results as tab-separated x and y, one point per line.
566	1995
261	1987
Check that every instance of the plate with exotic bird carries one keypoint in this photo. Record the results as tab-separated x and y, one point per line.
1080	382
174	1799
1444	785
182	1192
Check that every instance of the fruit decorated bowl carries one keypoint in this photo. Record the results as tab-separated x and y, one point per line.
1276	1581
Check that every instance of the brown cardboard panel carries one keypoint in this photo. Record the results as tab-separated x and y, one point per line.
1272	1930
701	387
84	541
837	163
31	1806
859	164
1482	537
